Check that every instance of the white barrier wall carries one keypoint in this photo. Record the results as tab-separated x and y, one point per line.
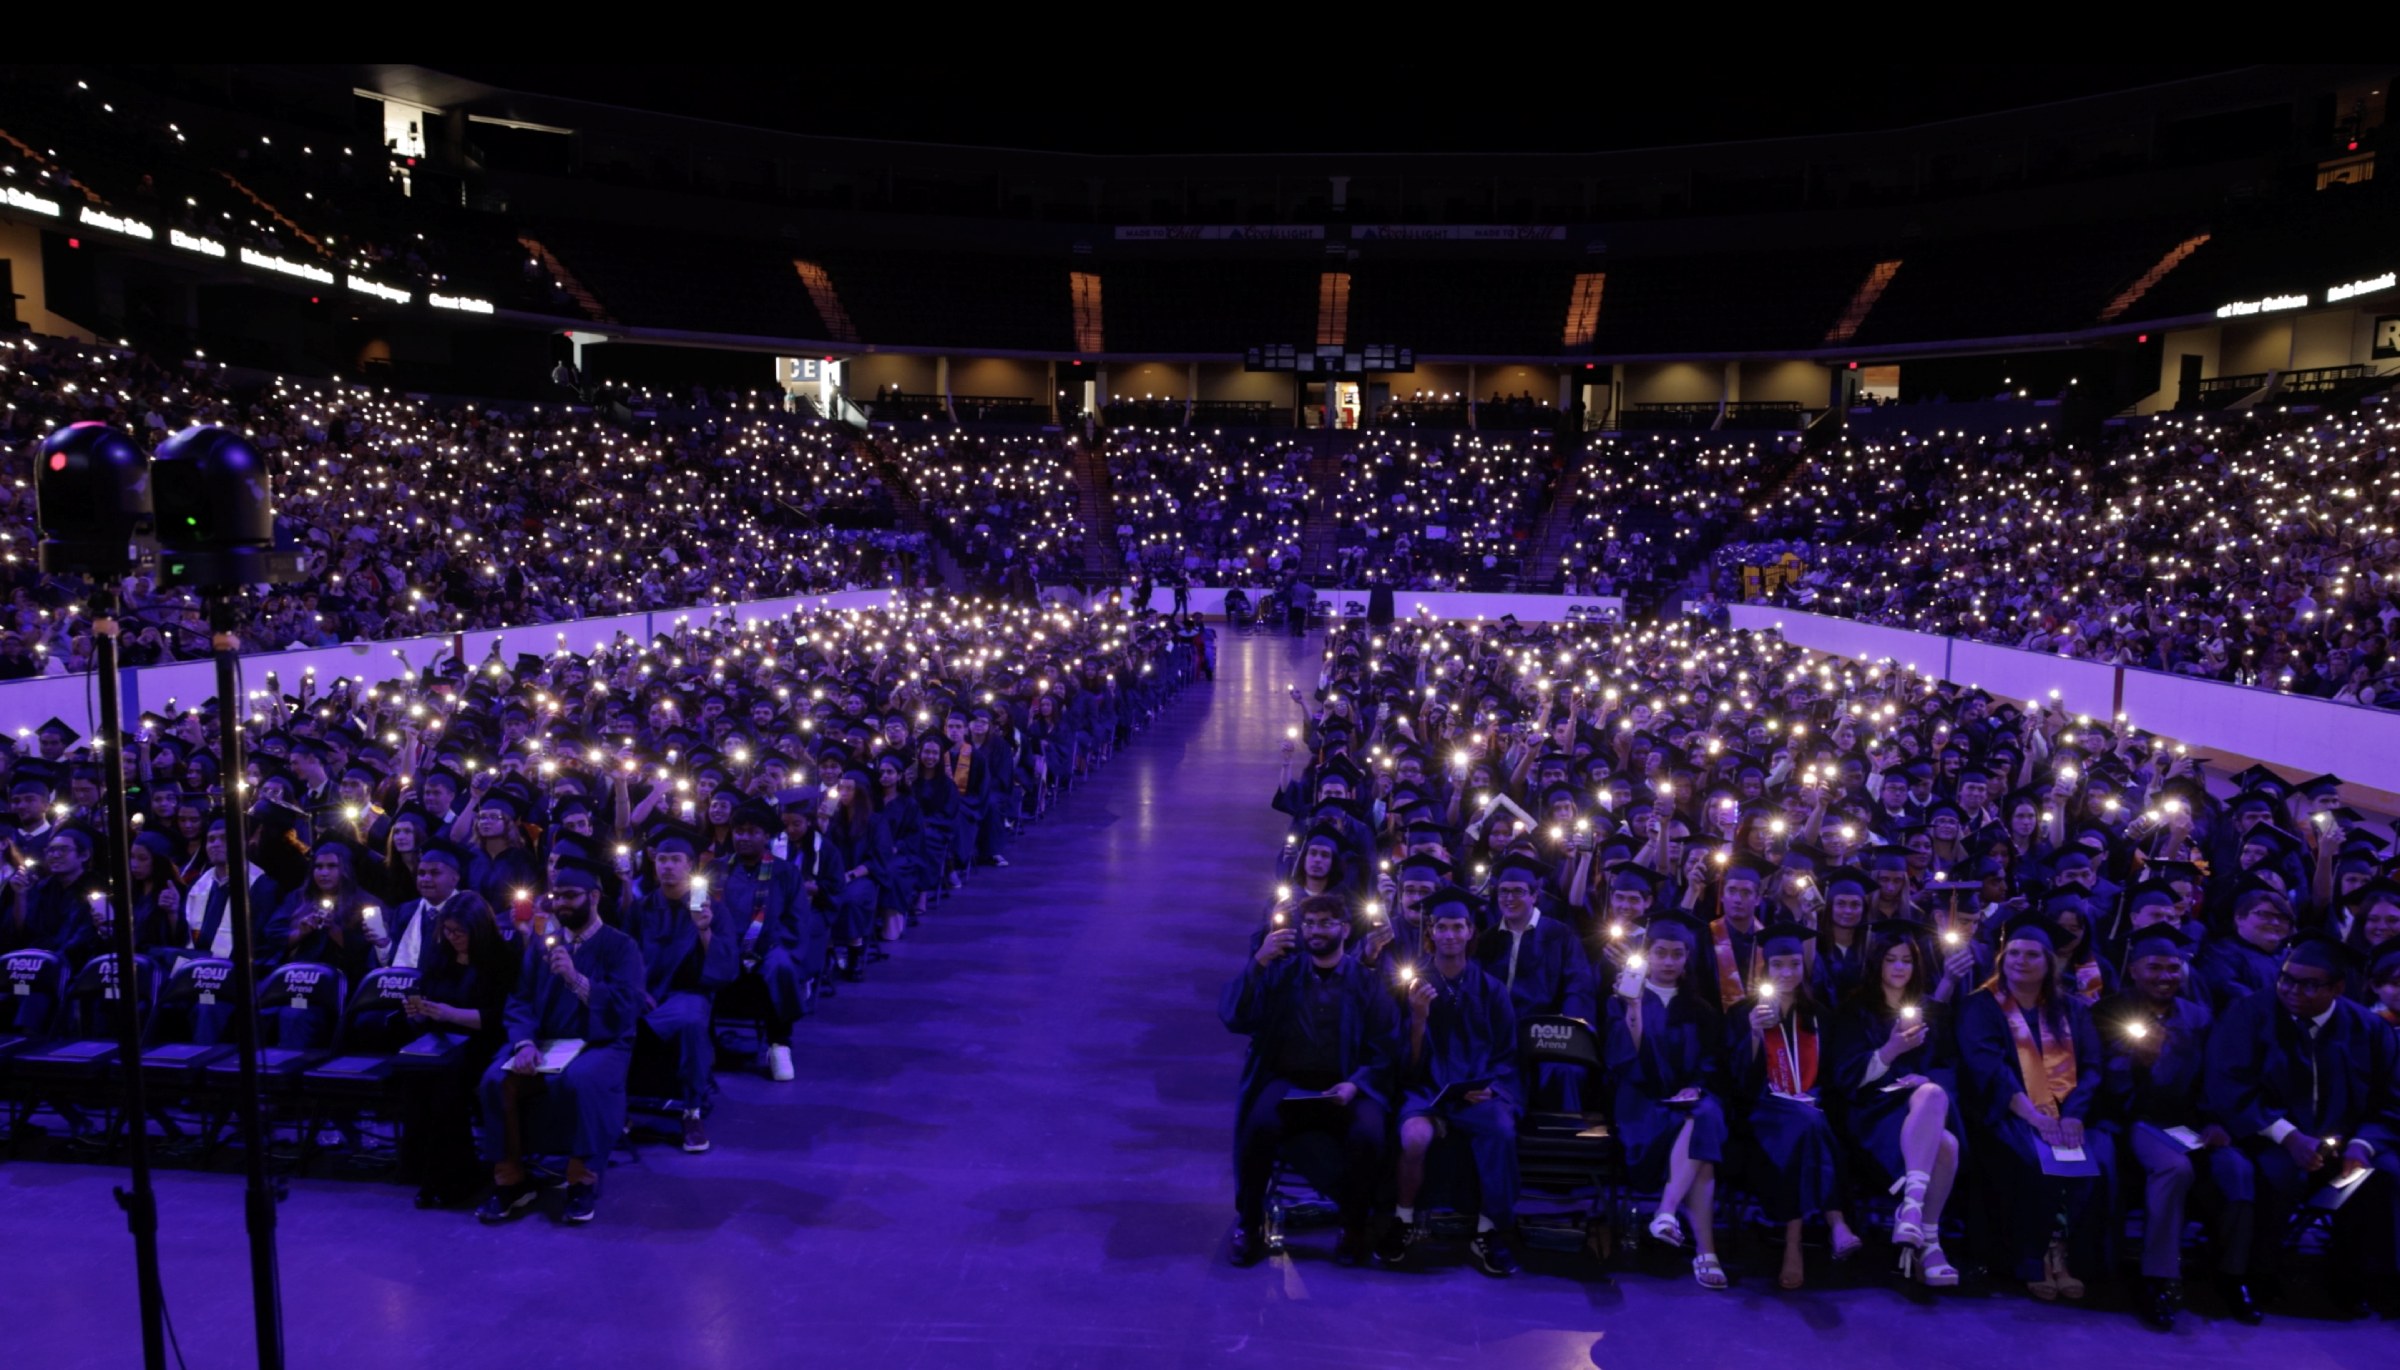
2359	744
1406	603
26	703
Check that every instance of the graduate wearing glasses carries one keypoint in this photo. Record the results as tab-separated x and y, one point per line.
2308	1084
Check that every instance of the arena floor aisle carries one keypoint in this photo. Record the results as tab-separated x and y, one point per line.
1008	1148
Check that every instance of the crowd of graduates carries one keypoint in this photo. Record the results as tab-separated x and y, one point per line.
612	872
1851	939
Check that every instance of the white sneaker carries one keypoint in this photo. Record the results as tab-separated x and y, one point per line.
779	1063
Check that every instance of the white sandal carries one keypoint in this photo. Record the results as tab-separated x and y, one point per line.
1709	1272
1664	1228
1908	1220
1928	1266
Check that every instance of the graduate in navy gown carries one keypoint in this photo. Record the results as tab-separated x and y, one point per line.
1894	1073
1458	1068
2308	1084
2243	958
1544	967
2154	1042
583	983
1319	1022
2030	1059
685	962
1776	1070
782	938
1662	1047
1839	966
1398	937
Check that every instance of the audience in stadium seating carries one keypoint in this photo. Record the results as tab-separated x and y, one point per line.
2247	547
413	520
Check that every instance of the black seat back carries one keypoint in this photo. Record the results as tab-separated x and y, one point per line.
30	985
1555	1039
96	1001
307	986
194	984
375	1018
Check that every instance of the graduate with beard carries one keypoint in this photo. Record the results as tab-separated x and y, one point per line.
581	984
1322	1027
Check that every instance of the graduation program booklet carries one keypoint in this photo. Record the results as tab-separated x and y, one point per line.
1299	1108
1455	1096
2334	1193
557	1053
2183	1137
2066	1162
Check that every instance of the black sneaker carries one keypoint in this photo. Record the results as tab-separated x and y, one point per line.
1492	1256
1247	1248
506	1201
1398	1240
583	1203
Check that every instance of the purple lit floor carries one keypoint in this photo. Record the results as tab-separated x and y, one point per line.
1009	1147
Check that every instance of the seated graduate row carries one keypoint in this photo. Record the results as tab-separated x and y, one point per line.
1920	1076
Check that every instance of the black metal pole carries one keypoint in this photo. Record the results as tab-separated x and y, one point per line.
139	1200
258	1197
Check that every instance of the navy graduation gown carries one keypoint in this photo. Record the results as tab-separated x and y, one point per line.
2230	968
579	1112
2021	1198
1871	1114
1793	1158
1268	1006
1553	973
1678	1050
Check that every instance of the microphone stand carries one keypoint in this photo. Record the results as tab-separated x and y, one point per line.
258	1194
140	1200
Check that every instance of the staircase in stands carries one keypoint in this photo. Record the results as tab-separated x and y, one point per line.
1097	490
910	510
1320	531
584	299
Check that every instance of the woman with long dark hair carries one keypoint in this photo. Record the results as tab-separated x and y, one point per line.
1893	1072
2031	1061
407	838
323	922
1662	1049
850	842
936	796
464	979
899	838
1775	1078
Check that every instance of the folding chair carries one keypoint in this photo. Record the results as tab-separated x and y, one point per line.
1569	1164
78	1065
354	1085
30	985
